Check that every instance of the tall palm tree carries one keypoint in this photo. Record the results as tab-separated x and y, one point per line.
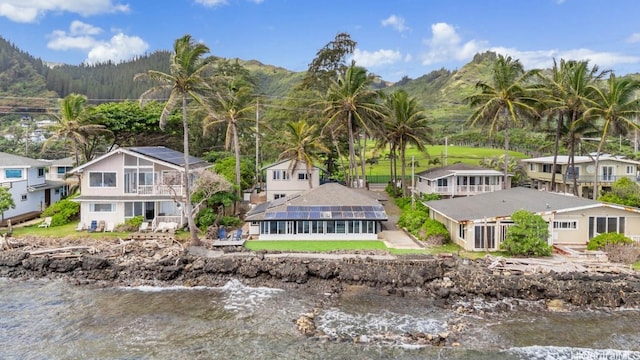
184	81
230	104
405	124
74	125
616	105
349	103
505	102
303	143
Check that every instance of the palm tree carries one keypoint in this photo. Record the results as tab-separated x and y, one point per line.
406	124
302	144
230	104
617	106
74	125
185	80
505	102
351	102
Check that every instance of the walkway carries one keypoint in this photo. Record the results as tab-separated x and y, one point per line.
393	236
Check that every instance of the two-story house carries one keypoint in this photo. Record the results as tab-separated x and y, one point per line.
26	180
611	168
59	170
283	179
458	180
135	181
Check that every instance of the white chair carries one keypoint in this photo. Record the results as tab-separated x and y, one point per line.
144	227
80	226
110	227
46	223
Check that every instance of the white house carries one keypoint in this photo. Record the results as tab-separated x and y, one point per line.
582	175
26	180
282	179
480	222
135	181
327	212
458	180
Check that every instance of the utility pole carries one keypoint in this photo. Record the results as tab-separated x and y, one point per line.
257	142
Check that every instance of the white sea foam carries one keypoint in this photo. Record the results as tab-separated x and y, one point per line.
335	322
571	353
150	288
242	298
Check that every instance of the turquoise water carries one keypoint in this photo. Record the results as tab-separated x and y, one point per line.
55	320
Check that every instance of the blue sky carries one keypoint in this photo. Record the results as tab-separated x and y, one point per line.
395	37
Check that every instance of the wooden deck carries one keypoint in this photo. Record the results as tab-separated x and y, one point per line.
229	242
21	218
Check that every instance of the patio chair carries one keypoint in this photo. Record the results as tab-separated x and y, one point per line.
93	226
144	227
237	236
46	223
110	227
80	226
101	225
222	233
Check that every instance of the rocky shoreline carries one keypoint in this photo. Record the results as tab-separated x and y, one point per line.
444	280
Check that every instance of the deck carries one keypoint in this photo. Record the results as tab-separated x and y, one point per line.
228	242
21	218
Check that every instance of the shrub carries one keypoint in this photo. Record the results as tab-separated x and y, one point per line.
62	212
600	241
393	192
205	218
230	221
131	224
527	236
622	253
413	220
434	232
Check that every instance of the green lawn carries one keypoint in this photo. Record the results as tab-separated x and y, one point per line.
64	231
314	246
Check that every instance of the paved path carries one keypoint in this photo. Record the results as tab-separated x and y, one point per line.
393	236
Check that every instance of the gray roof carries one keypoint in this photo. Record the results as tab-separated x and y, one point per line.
343	202
503	203
168	155
444	171
564	159
16	160
69	161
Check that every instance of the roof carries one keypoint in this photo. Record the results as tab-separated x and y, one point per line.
287	160
505	202
325	202
158	154
564	159
48	184
68	161
7	160
456	169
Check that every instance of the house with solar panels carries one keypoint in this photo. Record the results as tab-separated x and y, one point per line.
25	178
285	178
328	212
135	181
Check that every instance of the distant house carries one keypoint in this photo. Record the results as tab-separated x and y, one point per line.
458	180
26	180
327	212
135	181
282	179
480	222
612	168
59	170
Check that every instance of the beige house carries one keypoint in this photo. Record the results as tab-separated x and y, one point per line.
611	168
480	222
282	179
458	180
135	181
327	212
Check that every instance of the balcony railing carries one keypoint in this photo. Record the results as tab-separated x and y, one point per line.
601	178
466	189
167	190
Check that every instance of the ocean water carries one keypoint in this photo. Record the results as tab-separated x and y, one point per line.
44	319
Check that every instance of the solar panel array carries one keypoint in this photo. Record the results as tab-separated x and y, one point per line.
165	154
335	212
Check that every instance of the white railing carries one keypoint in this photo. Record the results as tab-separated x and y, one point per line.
168	190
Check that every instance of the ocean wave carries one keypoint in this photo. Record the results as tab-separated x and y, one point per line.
571	353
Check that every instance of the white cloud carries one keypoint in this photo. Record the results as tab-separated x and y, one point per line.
212	3
119	48
446	45
544	58
30	11
372	59
634	38
81	37
396	22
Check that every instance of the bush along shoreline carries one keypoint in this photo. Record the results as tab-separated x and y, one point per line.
445	280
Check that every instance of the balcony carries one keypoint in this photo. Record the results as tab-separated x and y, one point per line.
155	190
603	179
466	189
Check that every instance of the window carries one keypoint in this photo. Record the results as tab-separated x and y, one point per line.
13	173
23	197
354	227
280	175
603	224
303	176
443	182
317	227
573	173
102	179
546	168
303	227
278	196
101	207
485	237
532	167
565	224
40	172
630	169
462	231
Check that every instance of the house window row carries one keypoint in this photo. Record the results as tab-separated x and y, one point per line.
606	224
101	207
280	175
565	224
319	227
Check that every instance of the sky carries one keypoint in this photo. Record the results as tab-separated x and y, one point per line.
395	38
